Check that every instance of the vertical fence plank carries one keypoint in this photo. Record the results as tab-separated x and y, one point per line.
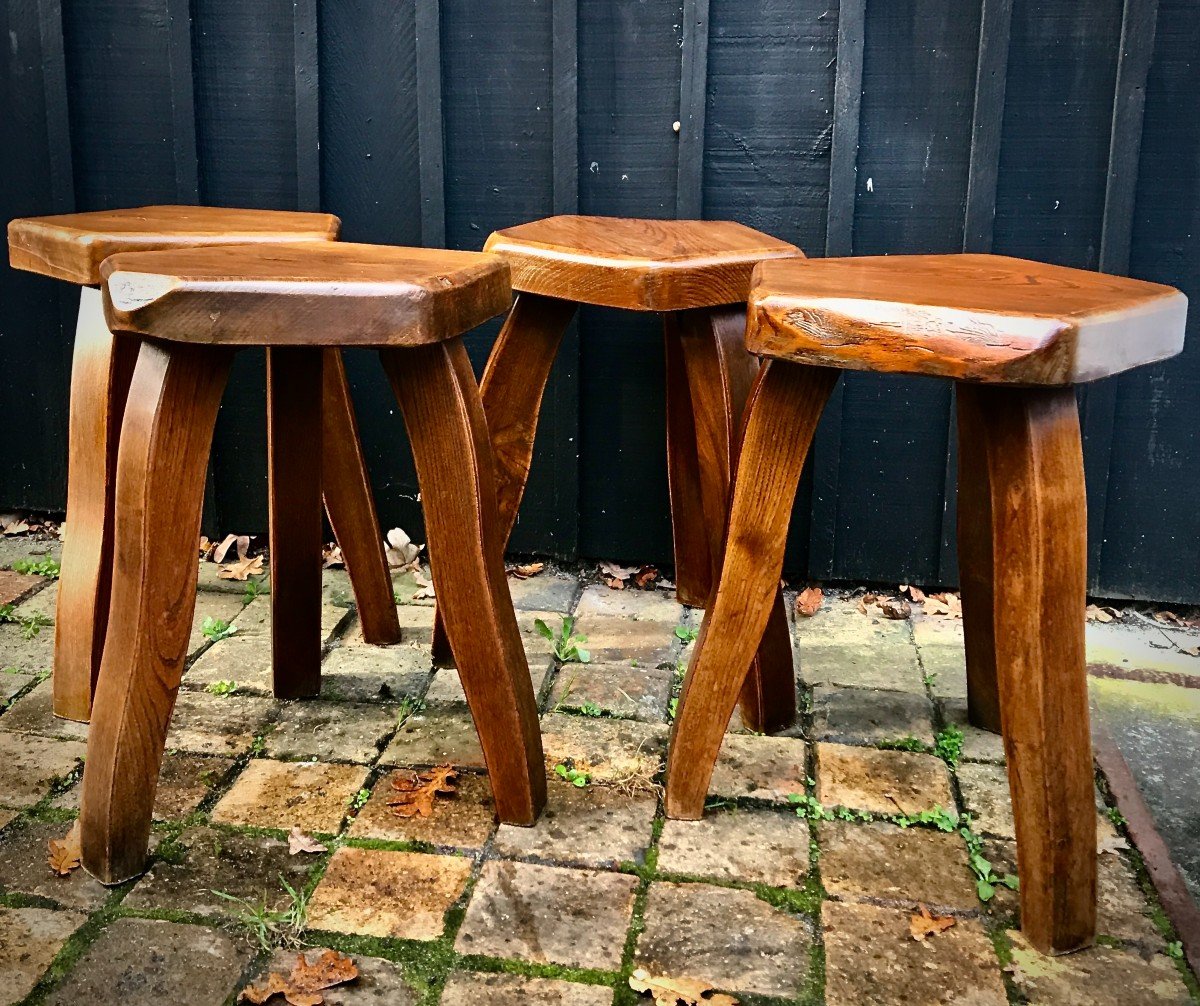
693	89
429	123
54	91
308	138
564	57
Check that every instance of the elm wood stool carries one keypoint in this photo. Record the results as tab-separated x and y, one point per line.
1016	337
71	247
696	274
191	310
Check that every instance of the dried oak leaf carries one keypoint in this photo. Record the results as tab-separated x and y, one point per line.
417	792
615	576
926	924
243	569
808	601
896	608
400	550
65	852
299	842
948	605
678	991
239	542
912	593
304	985
523	571
645	575
1095	613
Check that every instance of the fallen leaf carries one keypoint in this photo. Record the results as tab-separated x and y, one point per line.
948	605
615	576
304	985
523	571
678	991
665	584
417	792
923	925
331	555
65	852
400	550
896	608
1192	652
18	526
645	575
912	593
1097	614
241	541
425	585
299	842
206	547
243	569
1112	844
808	601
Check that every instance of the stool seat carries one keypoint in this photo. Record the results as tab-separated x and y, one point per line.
986	318
294	294
71	246
638	265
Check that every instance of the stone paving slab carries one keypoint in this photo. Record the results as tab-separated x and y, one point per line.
726	937
986	797
30	939
24	867
331	731
242	659
978	745
620	752
218	606
548	591
548	915
758	846
467	989
33	713
765	768
11	682
446	688
436	736
30	766
367	673
217	724
871	958
43	603
620	689
374	892
209	578
589	826
183	782
599	601
275	794
31	656
623	640
14	586
881	782
380	982
142	962
463	821
868	716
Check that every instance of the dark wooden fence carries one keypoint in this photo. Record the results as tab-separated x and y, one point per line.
1053	129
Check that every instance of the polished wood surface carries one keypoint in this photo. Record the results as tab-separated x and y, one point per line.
101	369
982	318
640	265
720	374
444	416
785	405
350	504
294	436
1032	466
163	457
296	294
513	384
71	246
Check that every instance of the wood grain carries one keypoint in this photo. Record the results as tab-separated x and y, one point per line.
296	294
444	415
101	369
294	470
782	414
513	384
720	374
1029	440
639	265
165	440
72	246
351	507
973	317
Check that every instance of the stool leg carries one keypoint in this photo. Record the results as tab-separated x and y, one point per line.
351	508
101	368
696	565
720	373
975	568
444	416
782	414
165	441
513	384
1029	441
294	435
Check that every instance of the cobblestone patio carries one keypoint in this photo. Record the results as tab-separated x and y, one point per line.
798	886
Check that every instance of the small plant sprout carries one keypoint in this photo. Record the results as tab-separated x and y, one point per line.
948	745
566	644
30	625
38	567
252	590
360	799
590	709
221	687
576	777
686	633
268	925
217	629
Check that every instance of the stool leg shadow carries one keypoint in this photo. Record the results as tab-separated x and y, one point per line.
720	374
781	416
444	415
165	441
351	508
1028	445
513	384
101	369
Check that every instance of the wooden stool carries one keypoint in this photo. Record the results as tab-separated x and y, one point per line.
1017	337
191	310
696	273
71	247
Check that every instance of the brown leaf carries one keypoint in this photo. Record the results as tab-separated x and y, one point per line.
65	852
948	605
615	576
417	792
808	601
243	569
206	547
424	583
331	555
18	526
523	571
241	541
896	608
1192	652
912	593
400	550
645	575
924	925
1166	617
299	842
1097	614
304	985
678	991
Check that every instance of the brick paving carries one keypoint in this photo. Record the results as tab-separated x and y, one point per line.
797	887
